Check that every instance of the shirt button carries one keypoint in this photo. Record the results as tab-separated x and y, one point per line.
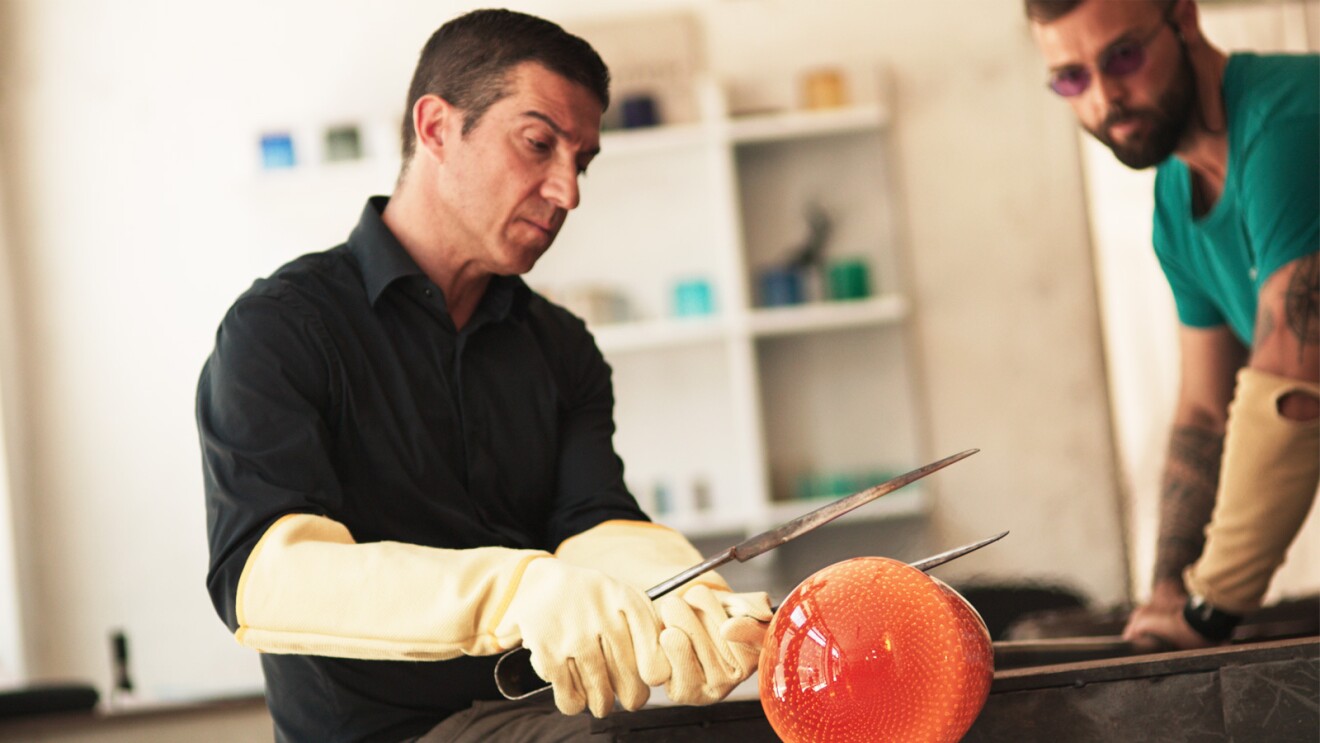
427	292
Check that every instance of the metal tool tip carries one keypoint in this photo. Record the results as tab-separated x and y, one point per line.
955	553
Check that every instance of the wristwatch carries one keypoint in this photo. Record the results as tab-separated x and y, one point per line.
1209	622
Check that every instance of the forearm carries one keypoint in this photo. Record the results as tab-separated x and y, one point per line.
1187	498
1269	482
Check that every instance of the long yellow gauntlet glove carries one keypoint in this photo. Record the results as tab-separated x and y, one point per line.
309	588
712	637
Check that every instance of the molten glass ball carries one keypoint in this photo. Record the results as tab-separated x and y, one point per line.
871	649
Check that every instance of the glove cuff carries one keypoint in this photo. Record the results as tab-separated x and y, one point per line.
309	588
639	553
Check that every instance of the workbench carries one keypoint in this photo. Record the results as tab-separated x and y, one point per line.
1256	691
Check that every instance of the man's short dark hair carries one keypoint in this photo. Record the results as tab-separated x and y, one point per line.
1048	11
467	62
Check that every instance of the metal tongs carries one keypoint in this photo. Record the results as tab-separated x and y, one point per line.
516	679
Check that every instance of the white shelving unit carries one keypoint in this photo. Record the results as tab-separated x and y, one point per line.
745	403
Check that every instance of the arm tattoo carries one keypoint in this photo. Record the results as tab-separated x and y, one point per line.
1187	497
1301	303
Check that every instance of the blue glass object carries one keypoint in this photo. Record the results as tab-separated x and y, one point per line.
693	298
277	151
781	286
639	111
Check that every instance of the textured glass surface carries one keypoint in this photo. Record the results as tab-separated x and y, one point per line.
871	649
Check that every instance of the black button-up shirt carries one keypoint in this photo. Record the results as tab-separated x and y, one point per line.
340	387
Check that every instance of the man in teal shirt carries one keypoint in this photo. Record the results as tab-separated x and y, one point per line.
1237	227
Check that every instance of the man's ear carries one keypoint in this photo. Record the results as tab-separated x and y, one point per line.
1185	21
433	121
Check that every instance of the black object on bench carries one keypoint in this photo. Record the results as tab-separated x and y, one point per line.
42	699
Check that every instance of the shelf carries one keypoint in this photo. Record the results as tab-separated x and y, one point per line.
746	130
906	503
817	316
657	334
800	124
706	524
764	322
651	139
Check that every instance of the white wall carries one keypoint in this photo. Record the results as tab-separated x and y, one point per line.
1140	323
130	130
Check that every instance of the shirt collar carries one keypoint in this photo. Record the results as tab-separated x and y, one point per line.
378	251
384	260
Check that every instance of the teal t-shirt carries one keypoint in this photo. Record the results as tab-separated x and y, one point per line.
1269	211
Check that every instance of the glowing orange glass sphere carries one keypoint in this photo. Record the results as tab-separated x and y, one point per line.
871	649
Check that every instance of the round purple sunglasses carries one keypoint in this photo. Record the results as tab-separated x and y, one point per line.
1121	59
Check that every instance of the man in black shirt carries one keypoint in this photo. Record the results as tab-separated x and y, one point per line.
398	432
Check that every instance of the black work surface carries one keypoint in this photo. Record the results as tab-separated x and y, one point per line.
1264	691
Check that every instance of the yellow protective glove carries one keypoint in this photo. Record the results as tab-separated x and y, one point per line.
309	588
712	637
592	637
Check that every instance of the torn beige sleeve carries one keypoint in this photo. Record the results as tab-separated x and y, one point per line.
309	588
1267	484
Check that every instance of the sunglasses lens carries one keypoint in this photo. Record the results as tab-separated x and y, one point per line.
1125	60
1069	83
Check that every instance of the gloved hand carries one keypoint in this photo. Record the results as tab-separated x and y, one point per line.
712	636
309	588
592	637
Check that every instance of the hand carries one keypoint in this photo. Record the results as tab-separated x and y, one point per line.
1159	625
593	638
712	636
712	639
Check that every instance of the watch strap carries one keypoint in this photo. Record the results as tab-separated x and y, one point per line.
1208	621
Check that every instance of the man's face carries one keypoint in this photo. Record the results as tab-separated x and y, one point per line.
509	183
1142	115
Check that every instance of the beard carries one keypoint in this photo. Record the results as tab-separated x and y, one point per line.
1166	123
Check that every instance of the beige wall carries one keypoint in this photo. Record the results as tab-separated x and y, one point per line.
13	663
130	129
